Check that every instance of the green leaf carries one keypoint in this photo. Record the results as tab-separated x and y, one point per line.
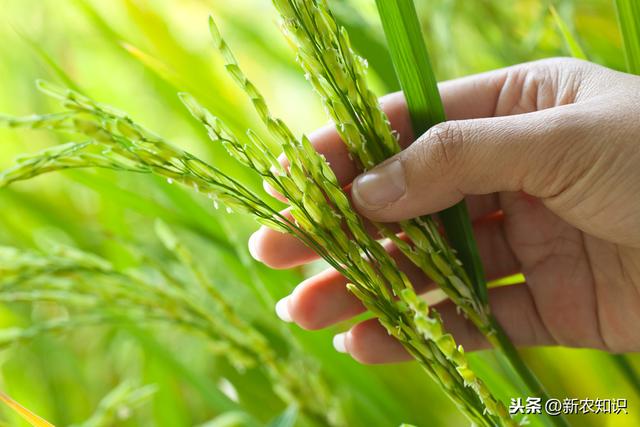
628	12
413	67
572	43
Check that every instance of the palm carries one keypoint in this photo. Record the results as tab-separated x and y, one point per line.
569	274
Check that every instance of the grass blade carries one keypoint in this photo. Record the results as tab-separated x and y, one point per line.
628	12
572	43
51	63
29	416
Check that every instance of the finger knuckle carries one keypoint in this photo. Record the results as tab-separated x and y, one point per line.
563	63
444	145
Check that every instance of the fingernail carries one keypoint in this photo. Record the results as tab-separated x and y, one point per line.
381	186
340	342
253	245
282	309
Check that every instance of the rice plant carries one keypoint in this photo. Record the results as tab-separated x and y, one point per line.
182	297
123	145
338	76
321	217
118	143
469	291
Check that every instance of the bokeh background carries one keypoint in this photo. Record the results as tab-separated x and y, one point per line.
136	55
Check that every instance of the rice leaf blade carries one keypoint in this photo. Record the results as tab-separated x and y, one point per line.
628	12
414	70
29	416
570	40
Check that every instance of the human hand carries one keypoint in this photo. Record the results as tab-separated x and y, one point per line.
547	156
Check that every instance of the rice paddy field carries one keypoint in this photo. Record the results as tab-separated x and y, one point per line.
129	300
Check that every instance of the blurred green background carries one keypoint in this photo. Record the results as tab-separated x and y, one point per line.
136	55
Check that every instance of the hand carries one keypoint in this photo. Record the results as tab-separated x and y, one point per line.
547	156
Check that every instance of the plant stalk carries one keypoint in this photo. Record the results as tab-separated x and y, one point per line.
501	341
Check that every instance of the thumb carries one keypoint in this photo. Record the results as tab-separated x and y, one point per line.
528	152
